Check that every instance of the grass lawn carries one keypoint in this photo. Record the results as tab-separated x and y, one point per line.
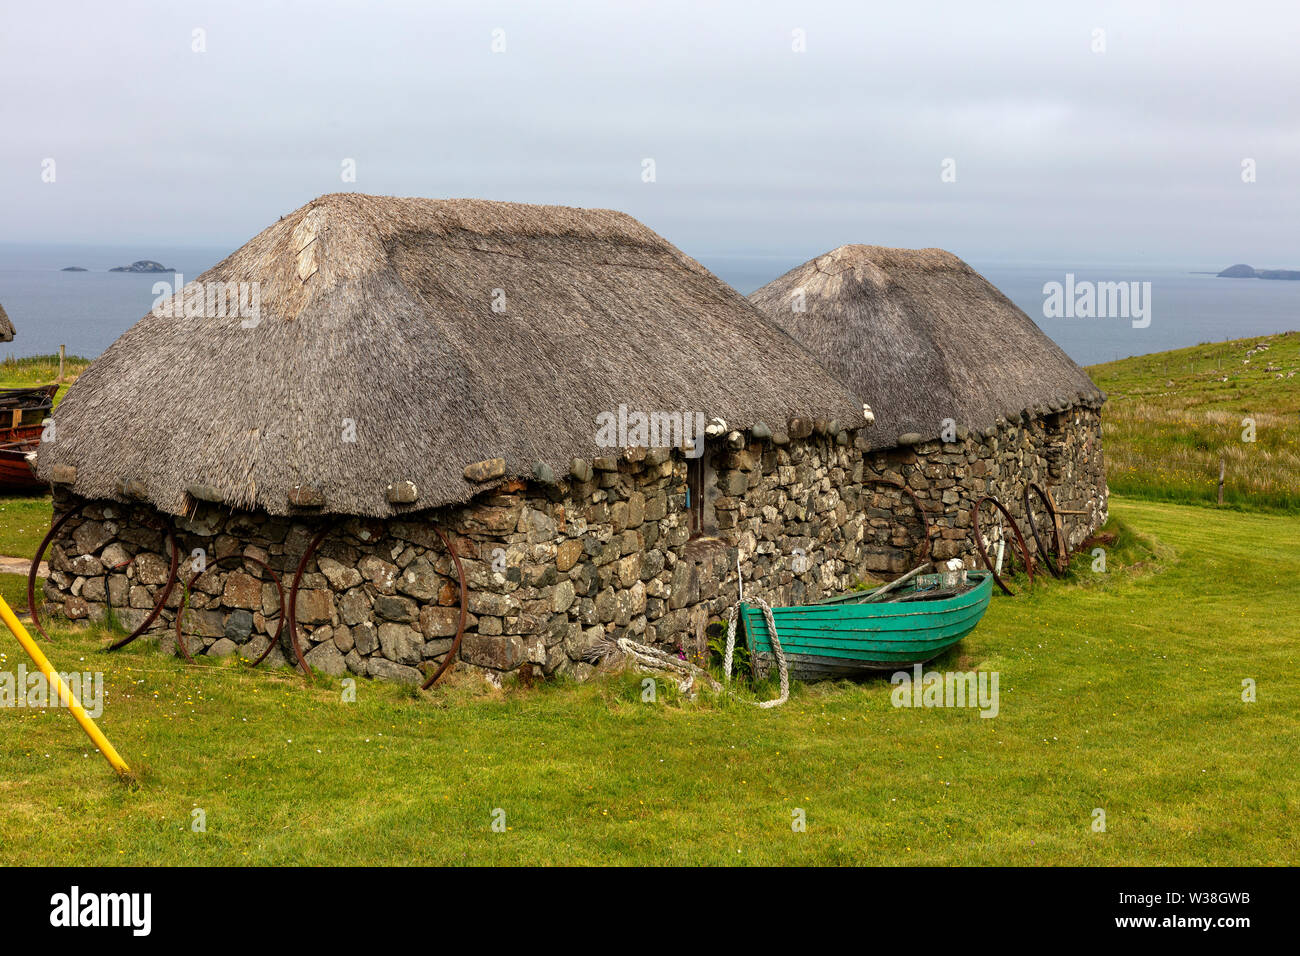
23	522
1172	416
41	370
1118	691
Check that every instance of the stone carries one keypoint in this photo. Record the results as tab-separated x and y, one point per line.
114	556
383	669
580	470
306	496
499	652
202	492
326	658
343	639
563	597
544	473
354	607
378	572
400	643
485	470
90	536
244	591
401	493
567	554
486	602
420	580
365	638
239	626
911	438
400	609
223	648
150	569
436	649
438	622
340	576
85	565
75	608
315	606
63	474
131	488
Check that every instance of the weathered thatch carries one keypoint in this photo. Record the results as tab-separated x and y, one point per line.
921	337
379	311
6	327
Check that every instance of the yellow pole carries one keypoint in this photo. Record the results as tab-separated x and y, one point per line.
65	694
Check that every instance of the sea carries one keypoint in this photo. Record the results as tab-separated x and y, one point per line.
1188	304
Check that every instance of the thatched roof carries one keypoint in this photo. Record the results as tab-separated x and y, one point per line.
379	311
922	337
6	327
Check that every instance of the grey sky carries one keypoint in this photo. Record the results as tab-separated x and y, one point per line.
1132	155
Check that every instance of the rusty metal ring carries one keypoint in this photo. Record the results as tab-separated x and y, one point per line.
464	610
167	592
293	596
979	542
920	510
180	611
1056	563
36	563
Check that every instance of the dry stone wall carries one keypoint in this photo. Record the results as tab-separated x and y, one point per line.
555	570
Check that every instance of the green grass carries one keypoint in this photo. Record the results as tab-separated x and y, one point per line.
23	523
41	370
1120	691
1172	416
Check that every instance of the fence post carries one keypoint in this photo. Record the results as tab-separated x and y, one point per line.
1222	469
62	351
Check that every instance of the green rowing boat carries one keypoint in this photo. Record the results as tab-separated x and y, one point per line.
850	636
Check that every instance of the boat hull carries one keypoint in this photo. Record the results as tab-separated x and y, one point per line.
837	640
16	473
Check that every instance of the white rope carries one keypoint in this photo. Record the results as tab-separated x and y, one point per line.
654	659
781	666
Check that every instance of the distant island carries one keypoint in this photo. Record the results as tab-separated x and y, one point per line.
72	269
142	265
1243	271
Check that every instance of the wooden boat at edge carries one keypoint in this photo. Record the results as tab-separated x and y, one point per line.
24	407
16	471
848	637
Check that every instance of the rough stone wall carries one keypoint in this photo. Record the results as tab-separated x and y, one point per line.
554	570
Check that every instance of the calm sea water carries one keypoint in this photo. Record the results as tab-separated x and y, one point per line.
86	311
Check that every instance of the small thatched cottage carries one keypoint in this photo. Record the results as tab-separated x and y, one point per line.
6	327
368	373
971	397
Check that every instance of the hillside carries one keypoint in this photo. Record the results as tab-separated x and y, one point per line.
1171	416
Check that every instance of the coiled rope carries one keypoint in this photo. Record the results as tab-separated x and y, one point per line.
782	668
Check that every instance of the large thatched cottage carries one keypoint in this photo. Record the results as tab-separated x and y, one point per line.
971	398
376	398
535	382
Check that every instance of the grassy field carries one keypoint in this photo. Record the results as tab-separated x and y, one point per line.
1119	691
1173	416
41	370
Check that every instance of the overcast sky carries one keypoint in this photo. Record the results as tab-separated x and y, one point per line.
1133	154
